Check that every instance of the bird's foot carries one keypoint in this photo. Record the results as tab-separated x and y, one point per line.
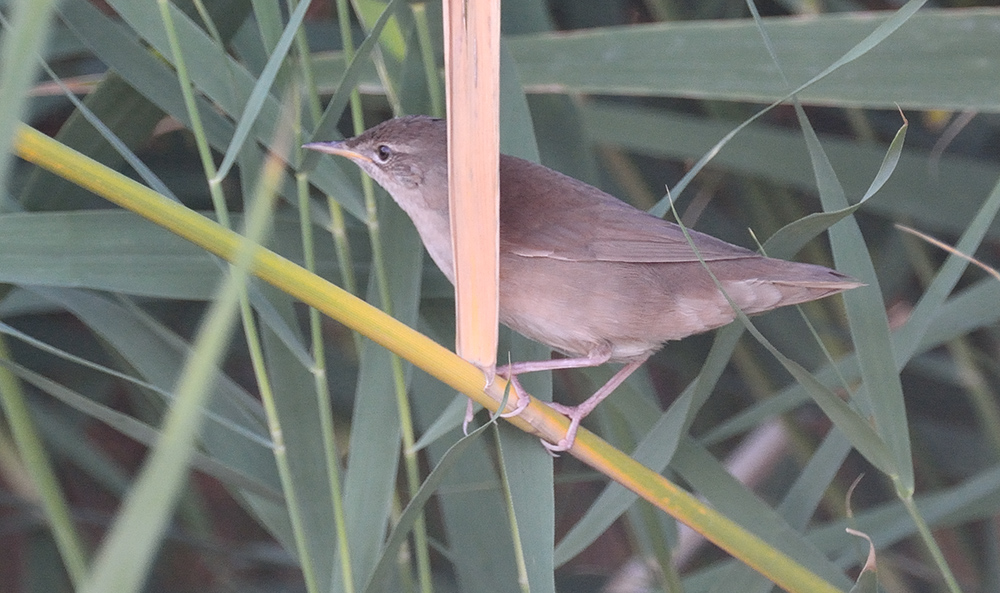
522	401
469	413
522	404
575	414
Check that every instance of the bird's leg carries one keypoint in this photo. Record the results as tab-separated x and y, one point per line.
523	399
593	359
511	371
469	413
577	413
519	393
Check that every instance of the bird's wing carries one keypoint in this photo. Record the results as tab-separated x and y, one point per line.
582	223
639	242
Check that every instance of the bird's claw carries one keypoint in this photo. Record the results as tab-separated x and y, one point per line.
522	402
575	415
468	417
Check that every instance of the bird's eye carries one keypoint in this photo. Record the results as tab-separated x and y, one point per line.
383	152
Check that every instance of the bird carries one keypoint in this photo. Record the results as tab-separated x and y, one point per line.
581	271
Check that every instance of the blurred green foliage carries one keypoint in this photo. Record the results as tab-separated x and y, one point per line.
624	94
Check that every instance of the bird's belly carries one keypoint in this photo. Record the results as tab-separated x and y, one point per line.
586	308
582	339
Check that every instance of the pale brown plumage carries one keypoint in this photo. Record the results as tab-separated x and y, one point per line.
581	271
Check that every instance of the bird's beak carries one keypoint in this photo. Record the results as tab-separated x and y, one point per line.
338	149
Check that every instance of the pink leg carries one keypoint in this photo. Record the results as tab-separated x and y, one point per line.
520	396
511	371
592	360
523	399
468	417
577	413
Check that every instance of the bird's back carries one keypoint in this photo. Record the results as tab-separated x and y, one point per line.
582	271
